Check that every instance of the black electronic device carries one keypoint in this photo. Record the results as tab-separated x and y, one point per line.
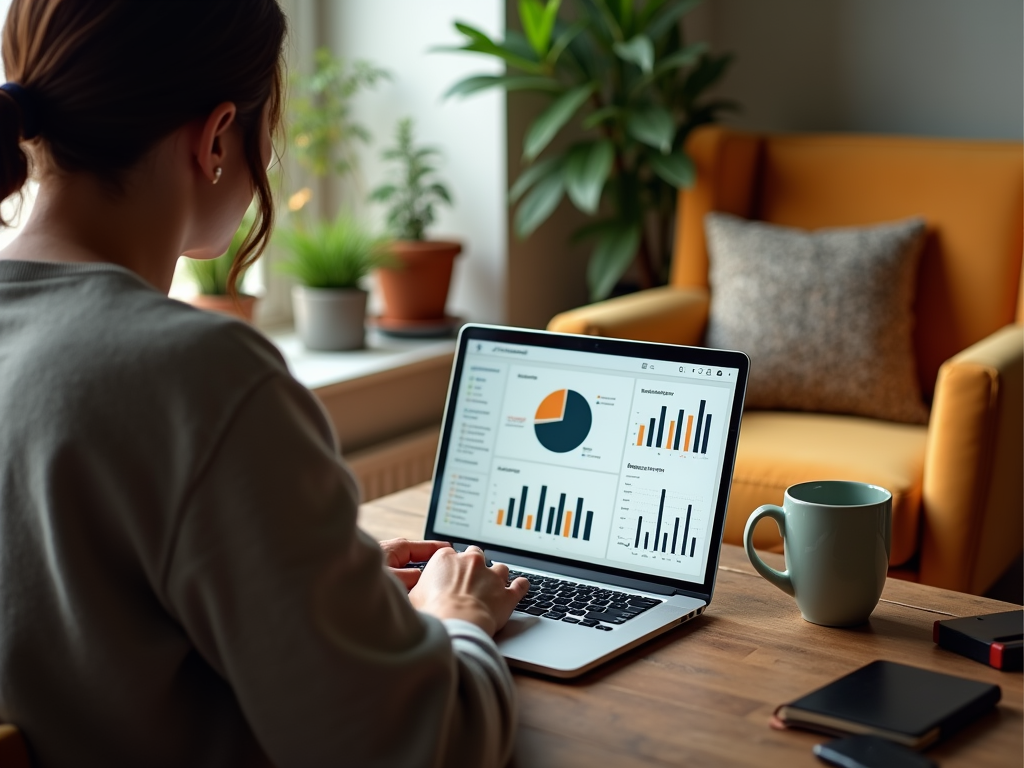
996	639
870	752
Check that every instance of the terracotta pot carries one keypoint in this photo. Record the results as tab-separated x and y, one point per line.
418	288
242	307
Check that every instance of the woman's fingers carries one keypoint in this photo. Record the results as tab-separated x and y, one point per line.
408	576
400	552
519	587
421	551
460	585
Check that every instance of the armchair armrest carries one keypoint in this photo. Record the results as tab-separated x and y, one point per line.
972	499
670	315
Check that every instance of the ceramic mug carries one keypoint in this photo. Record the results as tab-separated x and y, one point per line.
836	536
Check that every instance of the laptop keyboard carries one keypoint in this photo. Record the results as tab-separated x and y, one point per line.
582	604
576	603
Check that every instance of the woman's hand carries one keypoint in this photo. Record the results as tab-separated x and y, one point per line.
398	553
459	585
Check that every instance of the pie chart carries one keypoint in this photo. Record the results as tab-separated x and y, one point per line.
562	421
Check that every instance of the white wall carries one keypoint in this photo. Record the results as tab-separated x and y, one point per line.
398	35
950	68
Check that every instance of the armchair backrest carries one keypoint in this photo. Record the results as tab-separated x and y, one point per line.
971	193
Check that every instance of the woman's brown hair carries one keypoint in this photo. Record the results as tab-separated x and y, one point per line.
102	81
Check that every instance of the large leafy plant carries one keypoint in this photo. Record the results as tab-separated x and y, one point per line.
414	190
625	86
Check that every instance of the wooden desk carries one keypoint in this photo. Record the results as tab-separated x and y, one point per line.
702	694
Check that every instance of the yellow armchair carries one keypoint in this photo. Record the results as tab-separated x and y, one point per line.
957	482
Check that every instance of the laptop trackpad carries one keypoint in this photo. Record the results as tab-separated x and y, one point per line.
517	624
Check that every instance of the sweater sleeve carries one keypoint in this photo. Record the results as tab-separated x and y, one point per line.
290	602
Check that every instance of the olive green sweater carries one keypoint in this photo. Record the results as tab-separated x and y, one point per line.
182	581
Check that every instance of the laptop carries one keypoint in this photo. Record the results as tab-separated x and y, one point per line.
597	468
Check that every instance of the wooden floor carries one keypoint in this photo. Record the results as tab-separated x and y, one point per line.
702	695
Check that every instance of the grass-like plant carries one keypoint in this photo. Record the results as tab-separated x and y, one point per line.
415	189
335	254
211	275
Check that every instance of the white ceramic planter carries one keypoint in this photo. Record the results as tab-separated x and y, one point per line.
329	319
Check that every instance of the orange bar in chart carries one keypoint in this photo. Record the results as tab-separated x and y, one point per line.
689	428
640	439
568	519
501	516
671	431
529	522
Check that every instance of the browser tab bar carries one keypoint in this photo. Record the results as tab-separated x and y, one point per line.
595	360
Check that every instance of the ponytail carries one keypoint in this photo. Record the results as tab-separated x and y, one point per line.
13	160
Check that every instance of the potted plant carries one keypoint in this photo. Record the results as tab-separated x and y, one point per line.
415	286
329	259
620	75
322	130
211	280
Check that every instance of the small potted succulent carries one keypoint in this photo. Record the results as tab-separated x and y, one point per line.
415	286
329	259
211	280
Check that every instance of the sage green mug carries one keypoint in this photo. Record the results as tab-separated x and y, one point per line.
836	537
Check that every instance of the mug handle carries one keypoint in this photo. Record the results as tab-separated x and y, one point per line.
780	579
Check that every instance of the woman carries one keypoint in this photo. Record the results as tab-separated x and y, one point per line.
181	578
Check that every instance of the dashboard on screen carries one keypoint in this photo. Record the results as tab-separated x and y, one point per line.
595	458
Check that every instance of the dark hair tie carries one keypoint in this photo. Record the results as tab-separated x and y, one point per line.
23	98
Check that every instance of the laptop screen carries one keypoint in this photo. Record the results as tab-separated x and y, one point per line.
599	453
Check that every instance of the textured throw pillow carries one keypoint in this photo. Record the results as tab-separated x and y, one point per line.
825	316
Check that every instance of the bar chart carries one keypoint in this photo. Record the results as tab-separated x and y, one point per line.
682	433
567	518
548	509
666	523
660	542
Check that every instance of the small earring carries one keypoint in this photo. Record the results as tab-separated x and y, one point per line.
217	172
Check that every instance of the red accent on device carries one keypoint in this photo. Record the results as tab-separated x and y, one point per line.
995	655
935	633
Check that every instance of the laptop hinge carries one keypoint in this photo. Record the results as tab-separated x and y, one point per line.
689	593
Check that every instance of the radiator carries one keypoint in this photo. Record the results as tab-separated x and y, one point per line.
396	464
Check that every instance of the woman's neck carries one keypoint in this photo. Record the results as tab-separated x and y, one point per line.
78	218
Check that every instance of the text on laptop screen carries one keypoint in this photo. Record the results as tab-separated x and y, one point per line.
609	460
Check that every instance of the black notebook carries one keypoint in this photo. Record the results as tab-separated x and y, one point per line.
911	706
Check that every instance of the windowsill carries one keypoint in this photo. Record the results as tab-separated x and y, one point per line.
382	353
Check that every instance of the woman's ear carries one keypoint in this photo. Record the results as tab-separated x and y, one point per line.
210	147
